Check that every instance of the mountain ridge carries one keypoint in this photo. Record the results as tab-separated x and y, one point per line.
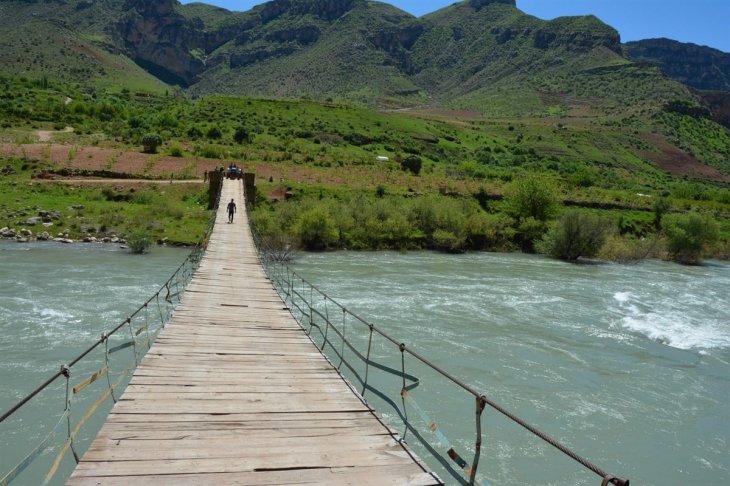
370	53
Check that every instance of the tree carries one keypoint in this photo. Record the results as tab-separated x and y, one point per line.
150	142
660	207
317	229
689	235
532	198
194	133
242	135
214	133
574	235
413	163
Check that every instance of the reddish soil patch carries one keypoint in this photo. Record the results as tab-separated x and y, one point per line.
677	161
133	162
278	193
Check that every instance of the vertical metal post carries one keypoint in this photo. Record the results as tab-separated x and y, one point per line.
327	318
344	337
134	340
481	402
105	338
367	362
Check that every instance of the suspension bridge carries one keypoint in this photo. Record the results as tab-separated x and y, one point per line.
236	390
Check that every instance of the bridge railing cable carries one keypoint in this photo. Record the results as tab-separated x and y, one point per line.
156	310
301	296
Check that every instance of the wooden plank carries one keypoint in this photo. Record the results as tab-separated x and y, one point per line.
380	476
235	392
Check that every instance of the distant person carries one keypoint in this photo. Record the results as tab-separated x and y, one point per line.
231	210
205	176
172	177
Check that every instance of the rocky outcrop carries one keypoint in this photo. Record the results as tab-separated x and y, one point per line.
397	42
697	66
246	58
163	41
577	40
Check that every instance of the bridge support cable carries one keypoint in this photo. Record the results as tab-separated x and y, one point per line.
283	279
181	277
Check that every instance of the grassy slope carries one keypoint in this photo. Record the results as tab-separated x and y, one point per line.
330	149
37	42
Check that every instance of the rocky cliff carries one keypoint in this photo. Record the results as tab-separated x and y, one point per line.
697	66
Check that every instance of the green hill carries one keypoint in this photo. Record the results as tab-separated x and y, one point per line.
476	54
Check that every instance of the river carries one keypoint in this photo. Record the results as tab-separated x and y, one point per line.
626	365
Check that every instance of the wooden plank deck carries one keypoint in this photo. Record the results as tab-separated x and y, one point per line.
234	392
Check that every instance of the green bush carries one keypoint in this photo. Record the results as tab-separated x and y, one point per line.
689	235
211	152
139	241
532	198
448	242
150	142
176	151
242	135
214	133
317	229
412	163
628	249
574	235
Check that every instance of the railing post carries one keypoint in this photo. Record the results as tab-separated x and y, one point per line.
481	402
105	338
344	337
327	327
367	361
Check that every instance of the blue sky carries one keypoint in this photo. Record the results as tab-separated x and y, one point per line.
704	22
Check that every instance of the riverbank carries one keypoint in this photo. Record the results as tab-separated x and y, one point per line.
99	210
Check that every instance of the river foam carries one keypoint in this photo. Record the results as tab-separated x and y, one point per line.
673	322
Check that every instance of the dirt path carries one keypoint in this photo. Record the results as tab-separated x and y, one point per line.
45	135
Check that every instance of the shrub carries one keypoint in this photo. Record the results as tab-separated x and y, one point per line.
448	242
317	229
214	133
242	135
211	152
660	207
688	235
628	250
150	142
176	151
194	133
412	163
532	198
139	241
574	235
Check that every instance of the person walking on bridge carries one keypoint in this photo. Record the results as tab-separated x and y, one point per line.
231	210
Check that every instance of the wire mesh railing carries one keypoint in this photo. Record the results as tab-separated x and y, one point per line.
142	326
326	323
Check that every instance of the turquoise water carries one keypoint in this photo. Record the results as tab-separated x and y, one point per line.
55	301
626	365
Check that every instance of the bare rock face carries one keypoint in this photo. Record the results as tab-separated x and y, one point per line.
160	40
697	66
